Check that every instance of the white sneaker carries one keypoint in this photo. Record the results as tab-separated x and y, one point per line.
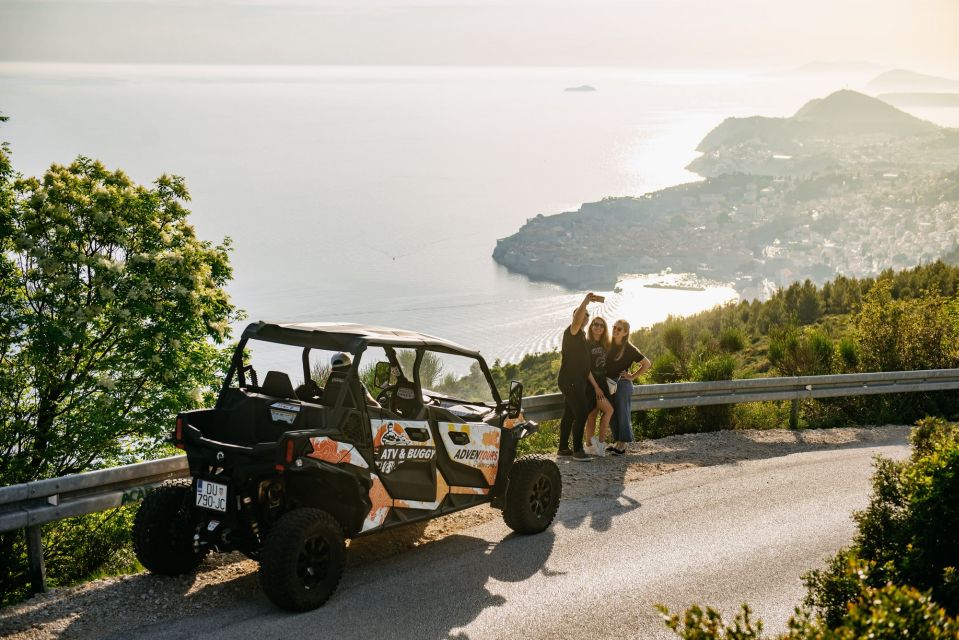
588	448
598	449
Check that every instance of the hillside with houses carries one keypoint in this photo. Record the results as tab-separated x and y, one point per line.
820	194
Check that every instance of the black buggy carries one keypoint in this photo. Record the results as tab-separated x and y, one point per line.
284	473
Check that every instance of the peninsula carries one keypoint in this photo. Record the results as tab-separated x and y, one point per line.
847	186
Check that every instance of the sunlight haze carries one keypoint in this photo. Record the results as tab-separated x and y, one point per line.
652	33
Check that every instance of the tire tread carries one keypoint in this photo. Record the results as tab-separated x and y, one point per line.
516	513
278	564
161	531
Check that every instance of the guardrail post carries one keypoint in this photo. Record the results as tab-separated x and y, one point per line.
37	570
794	414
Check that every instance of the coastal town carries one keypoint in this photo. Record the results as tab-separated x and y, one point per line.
863	210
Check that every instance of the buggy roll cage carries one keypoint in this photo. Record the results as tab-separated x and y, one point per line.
351	338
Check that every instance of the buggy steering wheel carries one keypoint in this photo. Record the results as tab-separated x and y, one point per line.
386	395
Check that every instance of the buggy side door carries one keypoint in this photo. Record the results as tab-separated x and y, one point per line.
404	449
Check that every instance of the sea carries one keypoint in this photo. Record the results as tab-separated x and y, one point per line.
376	194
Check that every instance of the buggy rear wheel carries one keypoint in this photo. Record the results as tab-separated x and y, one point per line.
532	495
163	531
302	560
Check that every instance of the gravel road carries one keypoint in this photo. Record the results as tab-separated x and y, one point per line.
599	498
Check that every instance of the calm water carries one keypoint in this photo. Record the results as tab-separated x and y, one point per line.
376	195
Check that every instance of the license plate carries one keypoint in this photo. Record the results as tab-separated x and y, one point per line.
211	495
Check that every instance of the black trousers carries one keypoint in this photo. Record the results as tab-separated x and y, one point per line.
575	411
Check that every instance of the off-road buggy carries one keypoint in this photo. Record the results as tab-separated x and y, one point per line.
284	473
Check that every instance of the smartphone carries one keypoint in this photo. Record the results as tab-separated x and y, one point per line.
599	298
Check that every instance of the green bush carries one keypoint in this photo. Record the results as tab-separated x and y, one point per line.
666	368
99	543
675	339
760	415
731	340
890	612
714	417
848	356
546	440
909	533
75	550
904	335
800	353
699	624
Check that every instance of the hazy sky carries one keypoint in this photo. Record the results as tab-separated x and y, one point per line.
767	34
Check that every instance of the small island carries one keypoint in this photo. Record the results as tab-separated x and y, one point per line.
583	87
675	287
849	185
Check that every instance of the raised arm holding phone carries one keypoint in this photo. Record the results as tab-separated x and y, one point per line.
575	381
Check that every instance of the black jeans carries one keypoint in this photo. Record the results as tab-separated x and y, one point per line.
574	413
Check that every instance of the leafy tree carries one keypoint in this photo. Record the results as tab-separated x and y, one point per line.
802	301
898	335
117	313
113	312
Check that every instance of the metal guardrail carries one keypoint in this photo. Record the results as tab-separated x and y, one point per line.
43	501
693	394
27	506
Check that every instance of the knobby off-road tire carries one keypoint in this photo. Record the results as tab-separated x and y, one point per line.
302	560
163	530
532	495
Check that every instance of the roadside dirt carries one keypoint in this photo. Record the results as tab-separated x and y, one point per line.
109	606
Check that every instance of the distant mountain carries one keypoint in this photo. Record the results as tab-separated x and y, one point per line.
900	80
921	99
584	87
842	113
852	112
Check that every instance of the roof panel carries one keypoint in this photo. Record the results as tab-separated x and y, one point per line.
346	336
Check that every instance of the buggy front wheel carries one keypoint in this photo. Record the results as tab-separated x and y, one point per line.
532	494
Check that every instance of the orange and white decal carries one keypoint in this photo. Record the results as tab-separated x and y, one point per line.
396	442
381	501
416	504
480	448
469	490
386	432
336	452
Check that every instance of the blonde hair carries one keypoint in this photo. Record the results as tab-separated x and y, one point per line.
605	338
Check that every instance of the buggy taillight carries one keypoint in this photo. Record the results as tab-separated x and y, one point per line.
289	451
288	454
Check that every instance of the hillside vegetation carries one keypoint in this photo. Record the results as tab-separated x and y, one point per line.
903	320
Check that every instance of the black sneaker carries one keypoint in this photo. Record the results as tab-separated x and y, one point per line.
582	456
565	453
618	452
